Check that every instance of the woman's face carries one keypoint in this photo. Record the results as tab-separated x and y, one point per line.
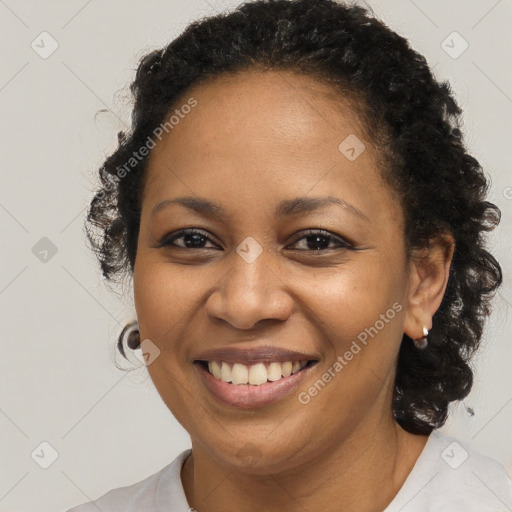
254	278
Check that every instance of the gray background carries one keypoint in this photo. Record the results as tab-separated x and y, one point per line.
60	116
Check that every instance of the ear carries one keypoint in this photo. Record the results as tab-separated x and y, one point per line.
428	277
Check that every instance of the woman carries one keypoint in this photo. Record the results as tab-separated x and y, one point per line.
305	232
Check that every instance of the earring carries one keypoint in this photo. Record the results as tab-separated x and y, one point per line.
133	337
421	343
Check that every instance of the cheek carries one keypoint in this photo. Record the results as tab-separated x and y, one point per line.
349	299
358	313
163	297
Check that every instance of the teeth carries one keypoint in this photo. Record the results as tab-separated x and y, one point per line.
240	374
256	374
274	371
286	369
225	372
214	368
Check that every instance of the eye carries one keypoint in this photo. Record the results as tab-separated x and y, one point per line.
192	239
316	240
319	240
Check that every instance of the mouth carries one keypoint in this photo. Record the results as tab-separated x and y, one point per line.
255	384
253	374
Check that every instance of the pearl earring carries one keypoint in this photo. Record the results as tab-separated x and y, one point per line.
422	342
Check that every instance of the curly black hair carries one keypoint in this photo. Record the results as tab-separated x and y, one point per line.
413	119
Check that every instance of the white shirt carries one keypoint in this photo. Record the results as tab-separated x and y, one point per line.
447	477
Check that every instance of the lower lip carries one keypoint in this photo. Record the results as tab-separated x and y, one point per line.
248	396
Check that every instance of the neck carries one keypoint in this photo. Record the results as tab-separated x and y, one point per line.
363	473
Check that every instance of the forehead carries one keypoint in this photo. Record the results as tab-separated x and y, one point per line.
274	131
265	103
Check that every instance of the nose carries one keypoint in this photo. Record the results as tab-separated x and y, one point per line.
250	293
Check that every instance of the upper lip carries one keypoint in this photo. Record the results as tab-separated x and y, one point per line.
253	355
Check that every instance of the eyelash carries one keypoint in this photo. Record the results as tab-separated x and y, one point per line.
342	244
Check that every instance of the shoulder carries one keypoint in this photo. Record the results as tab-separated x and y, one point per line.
449	475
151	494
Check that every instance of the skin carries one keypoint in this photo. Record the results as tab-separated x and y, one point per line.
252	141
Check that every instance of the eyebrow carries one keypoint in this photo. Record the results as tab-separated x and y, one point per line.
286	208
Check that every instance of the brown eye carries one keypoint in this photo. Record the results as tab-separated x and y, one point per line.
192	239
319	240
316	240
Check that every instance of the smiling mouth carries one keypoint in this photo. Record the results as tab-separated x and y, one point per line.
257	374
